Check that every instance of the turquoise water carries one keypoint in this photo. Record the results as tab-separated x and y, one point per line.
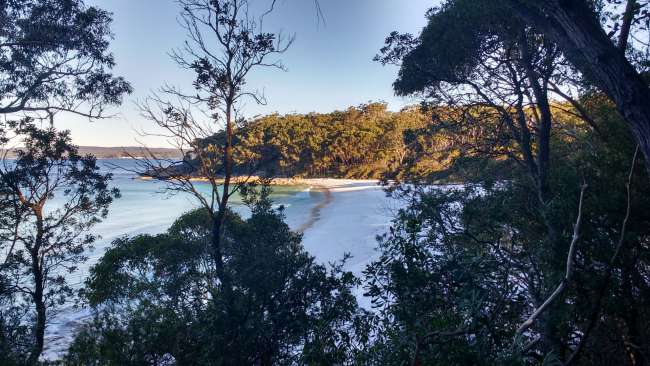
146	207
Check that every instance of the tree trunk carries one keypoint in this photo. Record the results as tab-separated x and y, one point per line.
266	359
217	227
631	315
219	221
575	28
628	18
38	294
540	91
39	329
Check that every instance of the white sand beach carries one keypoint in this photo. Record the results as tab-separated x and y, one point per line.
357	211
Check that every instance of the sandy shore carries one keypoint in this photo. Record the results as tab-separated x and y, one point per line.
326	185
320	182
330	187
348	220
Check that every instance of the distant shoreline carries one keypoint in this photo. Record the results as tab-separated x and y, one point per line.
118	152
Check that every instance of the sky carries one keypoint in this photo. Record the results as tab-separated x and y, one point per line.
329	66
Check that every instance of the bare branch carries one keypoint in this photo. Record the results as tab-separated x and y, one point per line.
610	266
568	272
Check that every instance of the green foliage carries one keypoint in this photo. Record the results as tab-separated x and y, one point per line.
155	298
43	242
54	55
449	49
363	142
462	267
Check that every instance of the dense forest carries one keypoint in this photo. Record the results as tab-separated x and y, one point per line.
370	142
360	142
357	143
540	255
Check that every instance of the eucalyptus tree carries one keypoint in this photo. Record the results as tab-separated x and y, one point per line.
510	90
54	57
42	241
605	40
497	76
225	43
604	53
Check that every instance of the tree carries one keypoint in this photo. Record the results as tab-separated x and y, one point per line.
499	76
42	241
155	300
462	267
54	58
359	142
489	78
224	45
575	27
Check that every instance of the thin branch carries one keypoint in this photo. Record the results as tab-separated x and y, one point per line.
610	266
628	18
568	274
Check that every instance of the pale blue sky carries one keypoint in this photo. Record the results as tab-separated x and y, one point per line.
329	66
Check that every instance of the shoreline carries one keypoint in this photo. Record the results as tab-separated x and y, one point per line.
328	186
280	181
315	212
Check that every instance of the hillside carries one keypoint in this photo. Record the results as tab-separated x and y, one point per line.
364	142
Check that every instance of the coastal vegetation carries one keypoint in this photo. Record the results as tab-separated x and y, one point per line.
539	255
360	142
54	59
283	308
44	243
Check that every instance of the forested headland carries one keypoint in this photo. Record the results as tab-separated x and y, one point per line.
360	142
418	143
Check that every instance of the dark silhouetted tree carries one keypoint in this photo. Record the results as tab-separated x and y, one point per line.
43	241
225	44
601	56
155	302
54	58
